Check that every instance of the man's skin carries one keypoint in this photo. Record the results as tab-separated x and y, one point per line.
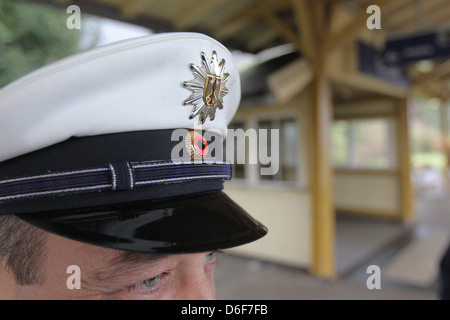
113	274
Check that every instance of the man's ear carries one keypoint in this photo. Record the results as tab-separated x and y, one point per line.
8	285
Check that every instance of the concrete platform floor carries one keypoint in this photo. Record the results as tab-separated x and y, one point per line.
360	243
243	279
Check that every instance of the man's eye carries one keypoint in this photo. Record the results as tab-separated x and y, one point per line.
210	256
151	286
149	283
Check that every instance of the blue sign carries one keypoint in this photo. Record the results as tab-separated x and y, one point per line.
372	62
429	45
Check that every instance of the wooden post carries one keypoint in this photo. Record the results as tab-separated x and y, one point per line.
407	197
445	87
445	138
323	215
322	179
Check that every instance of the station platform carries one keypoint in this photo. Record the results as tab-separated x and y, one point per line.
408	257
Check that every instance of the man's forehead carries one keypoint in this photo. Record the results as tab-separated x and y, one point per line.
113	265
121	258
76	252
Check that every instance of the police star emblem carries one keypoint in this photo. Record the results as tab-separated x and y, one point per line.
208	87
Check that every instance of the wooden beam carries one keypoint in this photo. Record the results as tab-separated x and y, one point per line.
192	12
259	40
438	72
324	224
307	31
323	11
337	38
288	81
428	91
438	17
259	10
394	9
406	18
404	14
323	262
282	28
231	29
370	84
132	8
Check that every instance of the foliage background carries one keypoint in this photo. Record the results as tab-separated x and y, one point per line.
31	36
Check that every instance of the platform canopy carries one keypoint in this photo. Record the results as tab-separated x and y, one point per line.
412	31
255	25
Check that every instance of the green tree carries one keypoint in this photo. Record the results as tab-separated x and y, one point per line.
32	35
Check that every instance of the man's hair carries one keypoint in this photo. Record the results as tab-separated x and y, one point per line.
21	249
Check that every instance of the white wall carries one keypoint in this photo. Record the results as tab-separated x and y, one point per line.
367	193
374	192
287	215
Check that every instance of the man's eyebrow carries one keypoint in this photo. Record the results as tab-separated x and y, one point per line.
124	265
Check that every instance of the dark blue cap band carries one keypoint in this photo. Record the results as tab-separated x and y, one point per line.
118	176
109	170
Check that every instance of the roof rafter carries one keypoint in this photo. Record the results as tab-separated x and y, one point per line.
268	7
132	8
337	38
283	29
191	13
307	33
438	72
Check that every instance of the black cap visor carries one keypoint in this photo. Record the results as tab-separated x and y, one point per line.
199	223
